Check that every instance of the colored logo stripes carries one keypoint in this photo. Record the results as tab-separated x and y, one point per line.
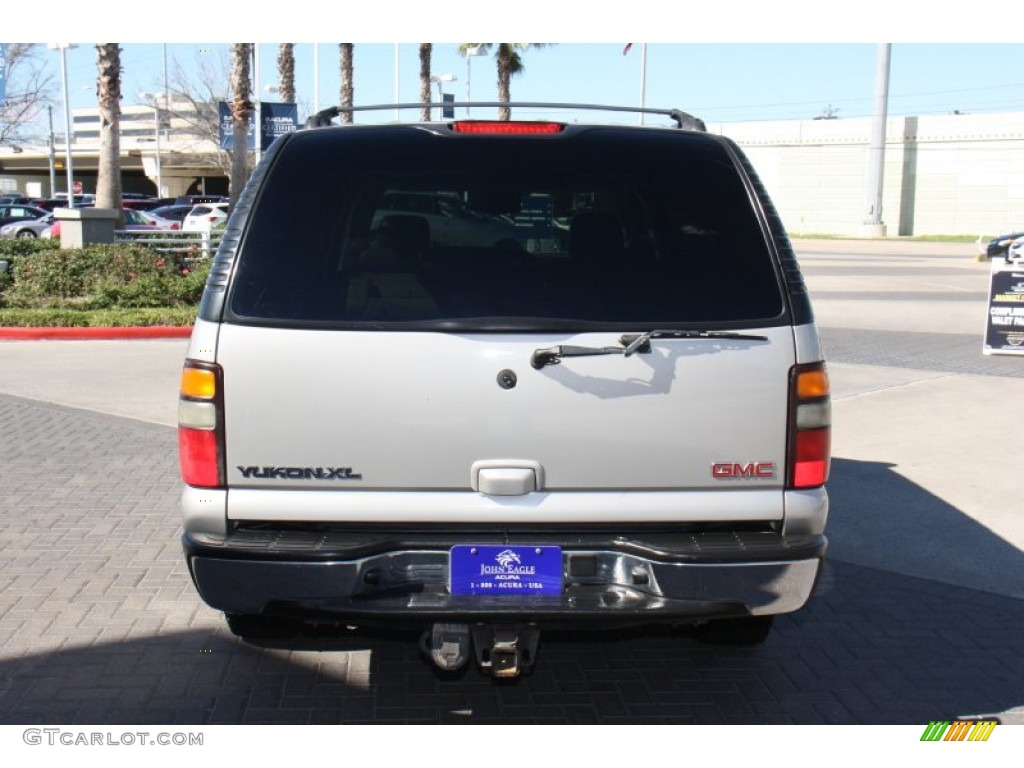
958	730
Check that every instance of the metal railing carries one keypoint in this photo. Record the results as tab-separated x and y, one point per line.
199	244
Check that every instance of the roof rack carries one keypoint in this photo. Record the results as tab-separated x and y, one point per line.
683	120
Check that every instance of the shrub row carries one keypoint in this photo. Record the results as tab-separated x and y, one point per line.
48	285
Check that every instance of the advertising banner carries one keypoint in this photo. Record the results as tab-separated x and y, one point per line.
1004	329
227	131
276	120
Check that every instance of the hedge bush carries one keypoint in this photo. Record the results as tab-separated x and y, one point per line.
121	276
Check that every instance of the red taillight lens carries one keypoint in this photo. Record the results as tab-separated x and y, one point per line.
200	460
810	427
505	127
811	454
201	425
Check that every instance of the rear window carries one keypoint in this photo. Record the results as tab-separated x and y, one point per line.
603	228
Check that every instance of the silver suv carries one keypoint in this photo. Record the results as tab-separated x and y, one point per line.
620	415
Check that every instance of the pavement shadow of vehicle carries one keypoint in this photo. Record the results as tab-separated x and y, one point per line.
880	519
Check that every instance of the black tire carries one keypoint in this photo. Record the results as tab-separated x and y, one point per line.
251	627
25	234
746	630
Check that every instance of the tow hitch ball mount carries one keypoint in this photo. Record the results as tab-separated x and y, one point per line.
503	650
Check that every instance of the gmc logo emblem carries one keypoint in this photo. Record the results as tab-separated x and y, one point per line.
753	470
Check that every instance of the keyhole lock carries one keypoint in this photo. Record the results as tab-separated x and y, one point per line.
507	379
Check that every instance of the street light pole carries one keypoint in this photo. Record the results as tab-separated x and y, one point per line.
471	53
63	48
154	98
52	153
447	77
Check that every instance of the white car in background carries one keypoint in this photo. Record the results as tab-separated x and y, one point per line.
204	217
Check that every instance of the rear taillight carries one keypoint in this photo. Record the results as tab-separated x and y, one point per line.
505	127
810	427
201	425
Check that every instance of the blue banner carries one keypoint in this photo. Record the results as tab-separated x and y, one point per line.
227	130
276	120
3	74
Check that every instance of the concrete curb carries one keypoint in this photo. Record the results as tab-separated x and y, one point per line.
147	332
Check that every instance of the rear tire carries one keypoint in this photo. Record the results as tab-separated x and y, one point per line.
746	630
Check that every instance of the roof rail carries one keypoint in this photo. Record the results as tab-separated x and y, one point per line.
683	120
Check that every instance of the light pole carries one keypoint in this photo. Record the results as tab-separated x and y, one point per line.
447	77
53	170
153	97
471	53
63	48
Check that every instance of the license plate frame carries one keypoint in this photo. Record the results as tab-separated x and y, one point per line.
486	569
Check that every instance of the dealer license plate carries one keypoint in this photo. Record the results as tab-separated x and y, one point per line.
505	570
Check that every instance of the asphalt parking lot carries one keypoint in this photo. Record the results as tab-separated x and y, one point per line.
918	615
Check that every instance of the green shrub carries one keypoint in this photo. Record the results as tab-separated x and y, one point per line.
99	318
104	276
26	247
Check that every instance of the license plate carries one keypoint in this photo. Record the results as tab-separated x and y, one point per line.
505	570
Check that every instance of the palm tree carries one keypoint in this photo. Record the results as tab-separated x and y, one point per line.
425	51
241	111
345	57
108	92
509	63
286	72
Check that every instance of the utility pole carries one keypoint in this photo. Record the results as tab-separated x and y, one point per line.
53	158
873	224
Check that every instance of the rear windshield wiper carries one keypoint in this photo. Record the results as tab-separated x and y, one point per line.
631	344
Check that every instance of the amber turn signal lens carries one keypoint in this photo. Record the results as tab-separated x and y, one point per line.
812	384
198	383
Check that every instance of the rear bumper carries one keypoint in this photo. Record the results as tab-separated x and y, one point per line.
608	579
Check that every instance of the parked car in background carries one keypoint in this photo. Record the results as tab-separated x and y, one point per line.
134	221
30	228
174	212
203	218
12	213
199	199
998	247
14	200
53	203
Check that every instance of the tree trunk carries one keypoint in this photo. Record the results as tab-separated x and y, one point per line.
425	51
108	92
504	79
241	110
286	72
345	56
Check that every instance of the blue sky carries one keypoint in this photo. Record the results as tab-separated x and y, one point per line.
786	61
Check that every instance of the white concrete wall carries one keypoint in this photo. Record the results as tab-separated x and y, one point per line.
950	174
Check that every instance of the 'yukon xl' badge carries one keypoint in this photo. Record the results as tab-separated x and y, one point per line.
300	473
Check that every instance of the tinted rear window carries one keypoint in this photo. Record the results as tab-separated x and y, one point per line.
404	226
